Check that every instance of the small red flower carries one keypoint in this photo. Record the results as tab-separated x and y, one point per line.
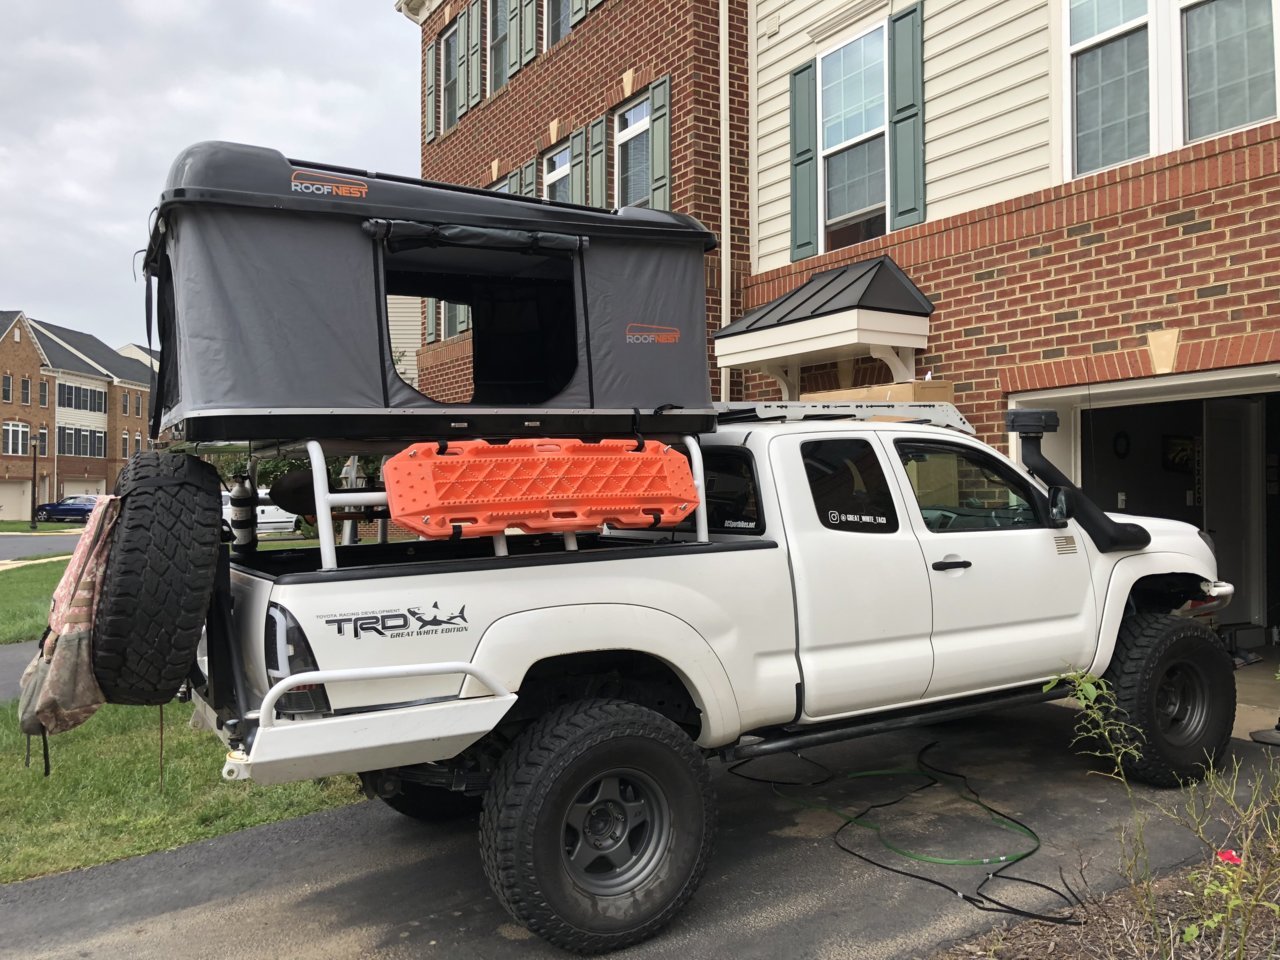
1229	856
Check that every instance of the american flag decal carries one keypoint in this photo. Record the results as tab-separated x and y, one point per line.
1065	545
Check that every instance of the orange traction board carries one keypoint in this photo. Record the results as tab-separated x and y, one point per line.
539	486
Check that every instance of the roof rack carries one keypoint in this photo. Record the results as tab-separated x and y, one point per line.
937	414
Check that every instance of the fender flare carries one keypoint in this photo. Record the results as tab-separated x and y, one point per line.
514	643
1123	576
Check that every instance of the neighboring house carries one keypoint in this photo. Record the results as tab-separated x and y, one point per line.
27	418
1078	200
81	406
404	320
147	355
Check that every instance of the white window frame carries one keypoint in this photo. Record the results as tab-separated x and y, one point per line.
622	134
6	388
488	46
124	445
42	441
547	42
881	131
463	323
24	386
125	395
44	393
445	60
14	432
137	442
137	404
1168	132
550	176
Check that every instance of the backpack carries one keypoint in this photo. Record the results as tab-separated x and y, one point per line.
59	690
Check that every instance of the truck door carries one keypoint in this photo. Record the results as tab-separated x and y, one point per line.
861	585
1012	597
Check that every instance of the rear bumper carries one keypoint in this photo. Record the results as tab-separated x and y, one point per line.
281	750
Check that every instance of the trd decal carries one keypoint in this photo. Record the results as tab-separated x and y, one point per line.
398	622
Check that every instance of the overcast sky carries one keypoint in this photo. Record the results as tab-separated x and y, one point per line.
96	99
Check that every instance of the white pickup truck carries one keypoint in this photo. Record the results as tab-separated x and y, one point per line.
845	575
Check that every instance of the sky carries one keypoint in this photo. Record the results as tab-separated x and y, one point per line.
96	100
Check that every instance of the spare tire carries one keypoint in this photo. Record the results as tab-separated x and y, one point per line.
159	578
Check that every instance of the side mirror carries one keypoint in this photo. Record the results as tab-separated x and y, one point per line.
1061	507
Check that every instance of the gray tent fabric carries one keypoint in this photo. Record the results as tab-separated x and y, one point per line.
254	327
646	312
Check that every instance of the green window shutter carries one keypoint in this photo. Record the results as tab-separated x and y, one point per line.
596	164
513	38
463	59
578	165
474	54
431	320
592	4
906	118
429	93
577	10
804	161
529	179
528	30
660	144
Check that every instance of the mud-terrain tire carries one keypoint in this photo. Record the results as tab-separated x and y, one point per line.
432	804
1173	682
598	825
159	578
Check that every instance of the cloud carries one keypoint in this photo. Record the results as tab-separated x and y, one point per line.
97	104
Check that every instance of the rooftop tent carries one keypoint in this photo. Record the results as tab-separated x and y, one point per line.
272	277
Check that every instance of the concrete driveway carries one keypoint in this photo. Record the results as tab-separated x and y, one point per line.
364	881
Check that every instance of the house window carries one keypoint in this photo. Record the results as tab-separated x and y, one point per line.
555	175
25	388
1229	65
498	22
124	445
124	402
457	319
137	443
851	120
6	389
1148	76
137	404
631	154
100	443
17	439
558	23
44	393
449	81
43	441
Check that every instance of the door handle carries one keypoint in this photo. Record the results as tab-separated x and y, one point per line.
952	565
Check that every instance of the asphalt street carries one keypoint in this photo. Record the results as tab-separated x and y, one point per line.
366	882
13	546
14	658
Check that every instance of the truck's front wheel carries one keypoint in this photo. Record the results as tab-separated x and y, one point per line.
1173	682
598	825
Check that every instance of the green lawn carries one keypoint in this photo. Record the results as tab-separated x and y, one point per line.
24	600
24	526
104	800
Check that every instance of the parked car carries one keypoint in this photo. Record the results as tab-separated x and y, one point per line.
76	509
271	519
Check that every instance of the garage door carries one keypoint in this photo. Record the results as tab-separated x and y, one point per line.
79	488
15	500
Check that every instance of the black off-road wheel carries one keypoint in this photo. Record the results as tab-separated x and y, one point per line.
1173	683
598	825
159	578
433	804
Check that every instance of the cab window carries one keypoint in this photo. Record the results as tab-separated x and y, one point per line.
849	488
961	489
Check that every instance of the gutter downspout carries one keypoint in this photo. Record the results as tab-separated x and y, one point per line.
726	233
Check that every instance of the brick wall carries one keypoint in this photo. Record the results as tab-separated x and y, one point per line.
1074	284
607	59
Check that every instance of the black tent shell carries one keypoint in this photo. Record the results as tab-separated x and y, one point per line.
272	276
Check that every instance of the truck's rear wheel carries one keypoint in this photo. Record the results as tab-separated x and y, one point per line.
1173	683
598	825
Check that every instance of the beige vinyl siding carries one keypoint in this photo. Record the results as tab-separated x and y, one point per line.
988	84
988	87
404	317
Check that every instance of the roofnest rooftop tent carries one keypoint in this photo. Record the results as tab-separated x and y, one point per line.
272	275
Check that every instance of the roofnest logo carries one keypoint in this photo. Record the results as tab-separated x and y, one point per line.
328	185
649	333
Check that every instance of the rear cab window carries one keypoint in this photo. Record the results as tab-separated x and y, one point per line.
850	491
731	491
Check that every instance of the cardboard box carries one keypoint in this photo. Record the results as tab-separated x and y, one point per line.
912	391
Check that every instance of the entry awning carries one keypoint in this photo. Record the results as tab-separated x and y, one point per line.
864	309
